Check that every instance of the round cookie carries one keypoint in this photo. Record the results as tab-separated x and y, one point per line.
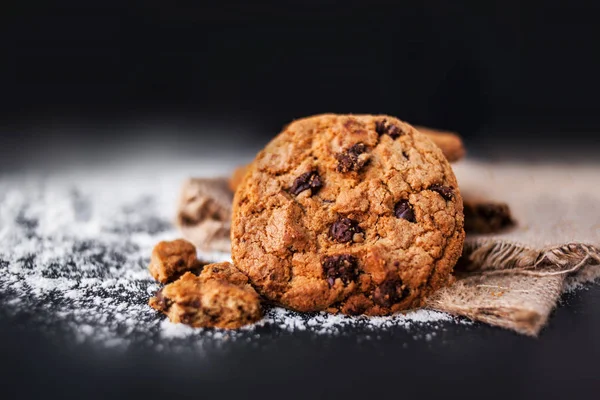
350	213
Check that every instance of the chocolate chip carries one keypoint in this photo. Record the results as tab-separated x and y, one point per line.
389	292
445	191
309	180
350	160
344	229
187	318
404	210
161	300
380	127
383	127
195	303
341	266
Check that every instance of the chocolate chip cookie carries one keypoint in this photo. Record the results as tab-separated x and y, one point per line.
348	213
219	297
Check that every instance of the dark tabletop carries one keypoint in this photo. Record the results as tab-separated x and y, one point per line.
461	361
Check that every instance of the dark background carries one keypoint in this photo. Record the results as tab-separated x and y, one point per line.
511	77
91	71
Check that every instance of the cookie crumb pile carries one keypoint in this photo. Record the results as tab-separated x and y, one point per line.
208	300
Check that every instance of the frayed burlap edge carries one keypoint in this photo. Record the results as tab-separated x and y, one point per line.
513	286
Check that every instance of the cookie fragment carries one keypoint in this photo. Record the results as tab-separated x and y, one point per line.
449	142
224	271
308	181
171	259
209	300
204	213
487	217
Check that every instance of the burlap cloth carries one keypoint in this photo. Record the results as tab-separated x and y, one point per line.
513	279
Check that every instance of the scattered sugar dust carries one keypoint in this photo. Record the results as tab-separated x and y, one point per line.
74	247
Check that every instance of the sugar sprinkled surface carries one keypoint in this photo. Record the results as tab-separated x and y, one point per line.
74	247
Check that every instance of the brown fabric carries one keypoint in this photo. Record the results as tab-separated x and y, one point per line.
515	278
521	288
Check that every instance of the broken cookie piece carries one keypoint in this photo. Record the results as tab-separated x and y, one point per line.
486	217
171	259
209	300
224	271
450	142
204	213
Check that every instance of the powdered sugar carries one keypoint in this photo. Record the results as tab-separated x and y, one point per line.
74	249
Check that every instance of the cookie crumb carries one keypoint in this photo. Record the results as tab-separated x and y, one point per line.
171	259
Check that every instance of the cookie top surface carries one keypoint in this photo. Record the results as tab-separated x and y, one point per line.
351	213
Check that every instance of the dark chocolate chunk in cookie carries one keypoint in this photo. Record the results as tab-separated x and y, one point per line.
404	210
344	229
308	181
389	292
445	191
341	266
384	127
161	301
352	159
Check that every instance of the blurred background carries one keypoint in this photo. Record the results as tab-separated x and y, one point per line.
81	77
